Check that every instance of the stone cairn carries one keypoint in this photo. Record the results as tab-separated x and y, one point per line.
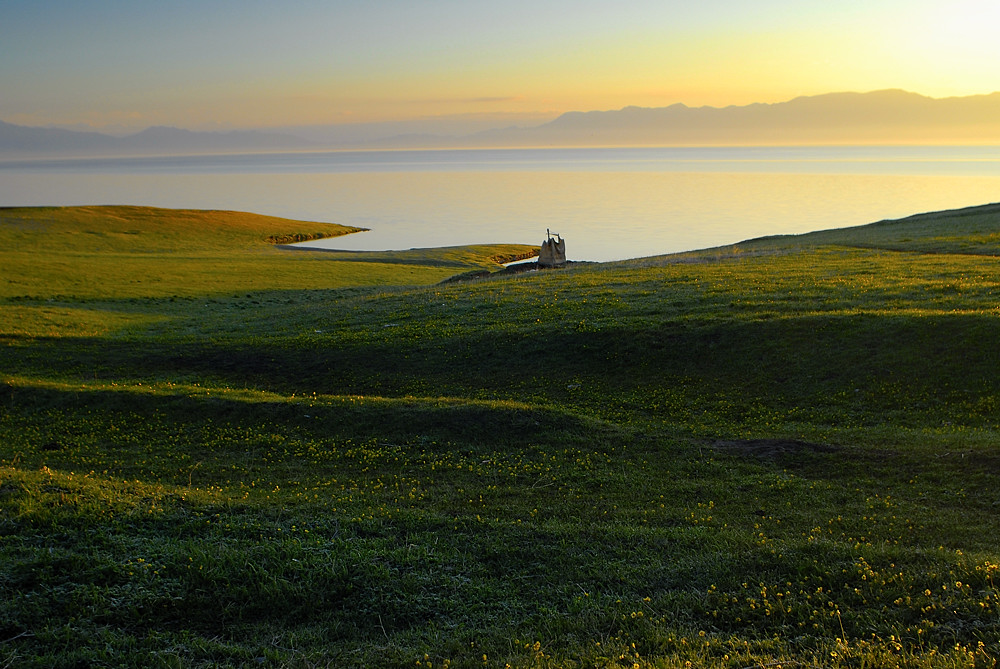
553	251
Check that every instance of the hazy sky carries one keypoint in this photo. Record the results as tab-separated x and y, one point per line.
255	63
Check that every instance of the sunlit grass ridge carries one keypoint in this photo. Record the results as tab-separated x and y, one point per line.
782	451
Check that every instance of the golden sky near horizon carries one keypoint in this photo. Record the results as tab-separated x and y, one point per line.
226	64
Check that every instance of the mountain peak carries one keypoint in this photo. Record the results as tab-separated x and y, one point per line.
888	116
891	116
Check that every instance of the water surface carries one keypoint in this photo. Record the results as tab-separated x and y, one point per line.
608	203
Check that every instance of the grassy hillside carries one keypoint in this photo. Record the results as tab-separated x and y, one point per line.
783	451
114	253
968	231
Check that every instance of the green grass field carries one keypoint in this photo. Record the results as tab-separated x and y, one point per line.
218	452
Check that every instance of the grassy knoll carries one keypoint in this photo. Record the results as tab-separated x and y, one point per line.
781	452
116	253
970	231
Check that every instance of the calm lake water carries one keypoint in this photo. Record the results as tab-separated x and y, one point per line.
608	204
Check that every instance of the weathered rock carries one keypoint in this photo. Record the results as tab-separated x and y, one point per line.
553	251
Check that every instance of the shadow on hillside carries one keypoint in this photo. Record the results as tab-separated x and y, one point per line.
905	362
428	423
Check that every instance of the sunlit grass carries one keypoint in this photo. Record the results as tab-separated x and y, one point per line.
967	231
119	253
746	457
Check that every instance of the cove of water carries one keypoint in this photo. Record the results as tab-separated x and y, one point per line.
608	204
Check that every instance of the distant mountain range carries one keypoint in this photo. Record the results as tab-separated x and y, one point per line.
27	141
889	117
838	118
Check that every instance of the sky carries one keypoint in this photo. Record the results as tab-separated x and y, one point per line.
119	65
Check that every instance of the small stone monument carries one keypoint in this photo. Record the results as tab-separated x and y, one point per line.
553	251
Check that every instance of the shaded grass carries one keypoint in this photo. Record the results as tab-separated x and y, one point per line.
259	516
729	459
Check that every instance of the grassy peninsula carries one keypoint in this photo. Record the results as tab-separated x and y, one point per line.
216	452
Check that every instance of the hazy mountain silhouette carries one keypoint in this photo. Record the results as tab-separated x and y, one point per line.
22	140
890	116
887	117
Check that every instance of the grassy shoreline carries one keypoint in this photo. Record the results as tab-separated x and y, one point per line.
217	453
